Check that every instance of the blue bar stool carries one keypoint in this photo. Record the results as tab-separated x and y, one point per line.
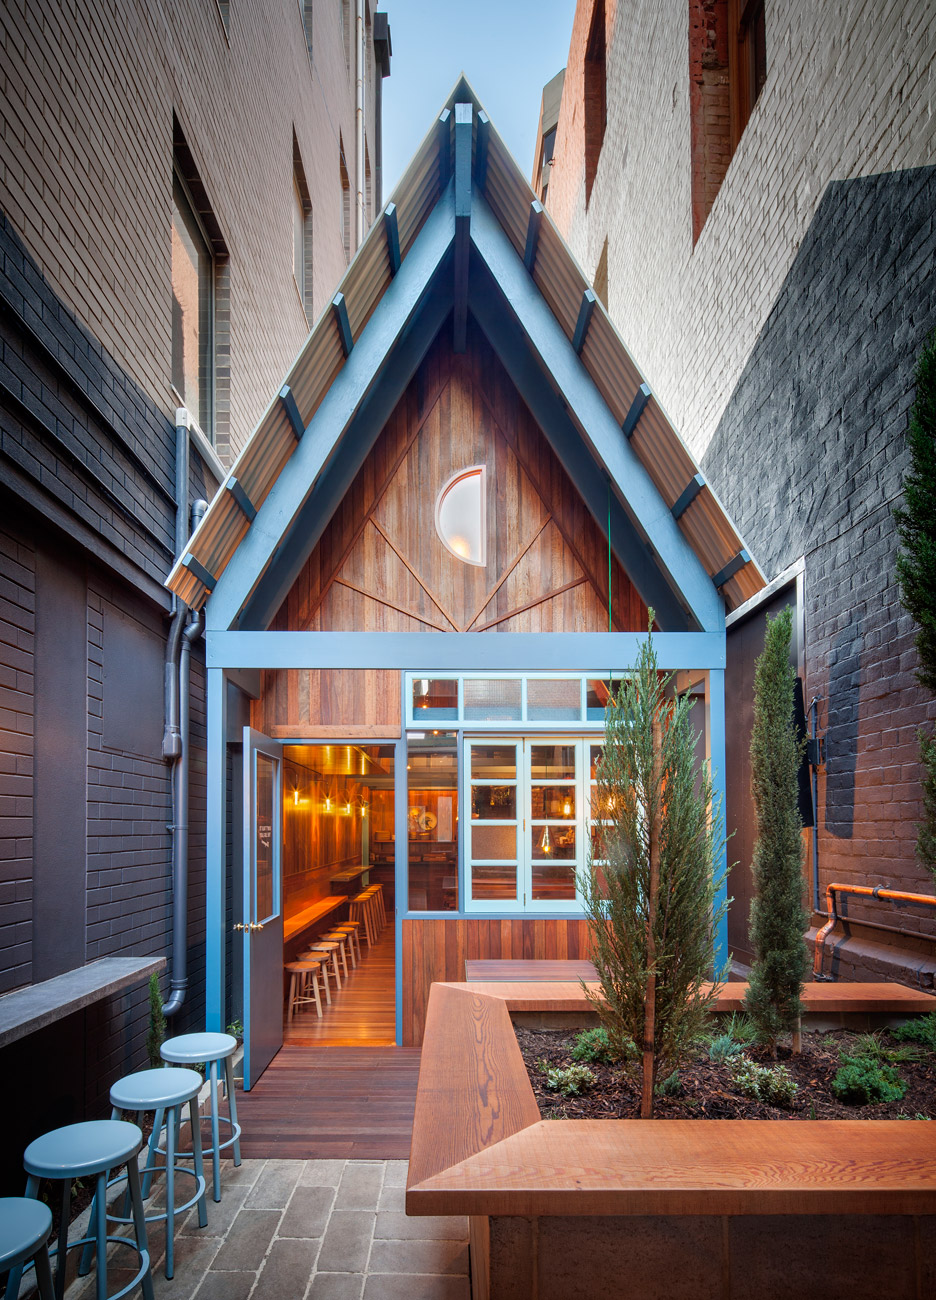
24	1231
193	1049
164	1091
80	1151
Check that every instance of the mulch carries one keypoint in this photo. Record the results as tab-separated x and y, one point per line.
707	1090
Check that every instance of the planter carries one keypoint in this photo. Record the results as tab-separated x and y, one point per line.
665	1208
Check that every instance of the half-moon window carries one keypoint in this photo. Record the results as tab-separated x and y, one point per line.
460	516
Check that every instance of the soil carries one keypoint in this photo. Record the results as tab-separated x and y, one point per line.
707	1090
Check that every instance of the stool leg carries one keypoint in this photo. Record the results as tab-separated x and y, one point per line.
100	1232
292	994
150	1160
139	1223
334	957
344	960
315	990
215	1139
43	1276
199	1162
171	1136
60	1258
232	1107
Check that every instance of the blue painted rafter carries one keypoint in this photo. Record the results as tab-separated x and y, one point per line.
532	235
687	496
584	319
481	149
731	568
288	403
340	310
236	489
392	227
463	128
641	398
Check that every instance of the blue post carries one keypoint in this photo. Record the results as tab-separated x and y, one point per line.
401	884
715	705
215	844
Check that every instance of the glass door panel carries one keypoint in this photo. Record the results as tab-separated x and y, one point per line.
554	843
492	835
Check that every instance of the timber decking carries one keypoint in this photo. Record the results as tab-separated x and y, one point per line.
362	1011
480	1148
343	1103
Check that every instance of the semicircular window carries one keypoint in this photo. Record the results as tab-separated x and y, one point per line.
460	516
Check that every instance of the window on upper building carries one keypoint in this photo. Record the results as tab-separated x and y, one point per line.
224	8
301	206
595	94
192	310
727	71
345	200
305	13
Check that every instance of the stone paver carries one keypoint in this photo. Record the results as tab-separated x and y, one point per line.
308	1230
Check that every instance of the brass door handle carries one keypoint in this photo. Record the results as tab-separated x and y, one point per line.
255	925
239	926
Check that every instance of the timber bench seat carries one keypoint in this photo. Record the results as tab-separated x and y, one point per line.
312	914
743	1207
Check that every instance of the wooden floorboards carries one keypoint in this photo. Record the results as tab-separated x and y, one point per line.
314	1103
362	1011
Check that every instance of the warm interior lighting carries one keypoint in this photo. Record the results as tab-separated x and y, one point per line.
460	516
328	803
347	808
296	797
545	841
567	809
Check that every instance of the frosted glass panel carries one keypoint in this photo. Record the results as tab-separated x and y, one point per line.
554	700
489	700
497	842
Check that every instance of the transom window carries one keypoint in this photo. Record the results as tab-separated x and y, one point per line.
536	700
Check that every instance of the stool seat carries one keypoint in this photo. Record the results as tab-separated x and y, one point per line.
155	1089
25	1225
188	1048
81	1149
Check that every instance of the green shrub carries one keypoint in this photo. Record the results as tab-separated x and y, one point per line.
723	1048
773	1085
157	1026
874	1046
671	1086
922	1029
593	1045
862	1081
570	1081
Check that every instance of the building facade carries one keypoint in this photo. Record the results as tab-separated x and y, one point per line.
751	187
182	189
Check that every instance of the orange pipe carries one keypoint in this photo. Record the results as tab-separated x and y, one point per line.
864	891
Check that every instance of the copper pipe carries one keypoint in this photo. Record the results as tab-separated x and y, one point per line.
863	891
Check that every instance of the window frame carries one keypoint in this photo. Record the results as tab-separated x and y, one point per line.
211	366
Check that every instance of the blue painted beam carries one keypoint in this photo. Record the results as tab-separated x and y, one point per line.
196	567
687	496
584	319
392	228
388	322
216	926
340	310
288	403
641	398
568	376
236	489
445	147
595	653
715	745
481	149
731	568
532	236
463	129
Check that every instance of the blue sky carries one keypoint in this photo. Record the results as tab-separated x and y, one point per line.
508	49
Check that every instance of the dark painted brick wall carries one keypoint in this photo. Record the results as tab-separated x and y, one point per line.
809	458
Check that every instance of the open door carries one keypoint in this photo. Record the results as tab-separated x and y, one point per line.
263	913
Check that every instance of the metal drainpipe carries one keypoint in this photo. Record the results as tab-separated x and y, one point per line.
359	122
180	806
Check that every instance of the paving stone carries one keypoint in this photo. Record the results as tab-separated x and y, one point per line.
247	1242
395	1172
308	1211
392	1198
322	1173
338	1286
360	1186
288	1267
221	1214
225	1286
275	1185
419	1257
393	1226
243	1175
193	1255
415	1286
347	1242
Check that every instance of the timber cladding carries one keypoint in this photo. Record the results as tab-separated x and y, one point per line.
436	951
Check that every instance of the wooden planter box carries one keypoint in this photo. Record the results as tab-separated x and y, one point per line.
662	1209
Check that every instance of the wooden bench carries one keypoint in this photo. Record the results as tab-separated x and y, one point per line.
315	912
562	1209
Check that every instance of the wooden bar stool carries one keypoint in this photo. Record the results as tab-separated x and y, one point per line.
381	909
304	985
360	912
339	937
326	949
374	893
354	944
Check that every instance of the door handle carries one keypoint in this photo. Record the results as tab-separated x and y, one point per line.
239	926
255	925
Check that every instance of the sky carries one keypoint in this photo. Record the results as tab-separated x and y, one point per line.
508	50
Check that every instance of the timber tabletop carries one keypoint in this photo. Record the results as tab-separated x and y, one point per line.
522	972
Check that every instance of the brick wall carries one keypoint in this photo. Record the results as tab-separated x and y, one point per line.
86	142
846	95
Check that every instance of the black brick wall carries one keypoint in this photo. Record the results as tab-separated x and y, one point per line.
809	458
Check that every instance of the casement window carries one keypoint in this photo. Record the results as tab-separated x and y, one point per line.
301	217
595	94
192	311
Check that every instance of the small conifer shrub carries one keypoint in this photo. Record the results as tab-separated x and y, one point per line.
922	1029
778	918
594	1045
862	1081
569	1080
916	565
771	1084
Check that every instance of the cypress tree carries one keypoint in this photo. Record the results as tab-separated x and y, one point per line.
778	918
650	882
157	1026
916	570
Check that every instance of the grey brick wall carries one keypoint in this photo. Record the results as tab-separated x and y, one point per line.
809	458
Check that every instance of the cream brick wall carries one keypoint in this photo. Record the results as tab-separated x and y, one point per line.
851	91
88	95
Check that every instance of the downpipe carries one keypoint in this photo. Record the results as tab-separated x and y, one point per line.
859	891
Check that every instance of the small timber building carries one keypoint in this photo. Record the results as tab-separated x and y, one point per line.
421	577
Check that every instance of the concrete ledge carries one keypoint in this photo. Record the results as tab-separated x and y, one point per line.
26	1010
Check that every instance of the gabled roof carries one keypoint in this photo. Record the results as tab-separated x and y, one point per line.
511	232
